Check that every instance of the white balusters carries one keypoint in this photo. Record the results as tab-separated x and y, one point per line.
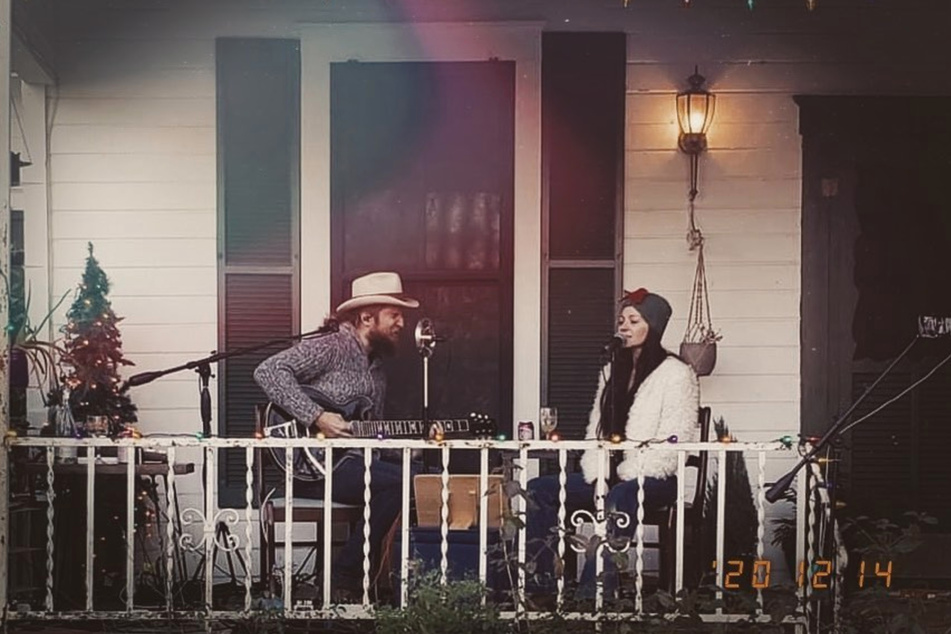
211	477
802	505
810	533
170	531
523	516
483	516
562	481
90	523
404	527
600	491
289	527
248	503
681	484
444	519
721	521
129	529
639	548
367	460
328	520
50	498
176	605
760	526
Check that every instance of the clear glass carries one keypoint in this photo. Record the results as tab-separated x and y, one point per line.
548	420
97	426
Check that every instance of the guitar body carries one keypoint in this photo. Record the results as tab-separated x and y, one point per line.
310	463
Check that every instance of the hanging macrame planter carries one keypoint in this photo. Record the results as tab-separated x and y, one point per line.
699	347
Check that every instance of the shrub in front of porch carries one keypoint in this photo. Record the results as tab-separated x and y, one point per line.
452	608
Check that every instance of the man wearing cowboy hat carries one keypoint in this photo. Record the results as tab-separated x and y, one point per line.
345	365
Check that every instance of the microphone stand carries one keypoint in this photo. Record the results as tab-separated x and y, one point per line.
776	491
608	410
425	336
203	368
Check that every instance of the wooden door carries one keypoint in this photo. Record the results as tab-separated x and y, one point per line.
876	239
422	179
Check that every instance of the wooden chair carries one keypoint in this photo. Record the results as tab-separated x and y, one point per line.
306	511
665	518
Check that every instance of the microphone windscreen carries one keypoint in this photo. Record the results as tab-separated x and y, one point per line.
616	343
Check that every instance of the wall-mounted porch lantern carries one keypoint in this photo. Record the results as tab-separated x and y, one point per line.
695	108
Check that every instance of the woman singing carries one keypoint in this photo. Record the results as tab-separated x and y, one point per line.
645	393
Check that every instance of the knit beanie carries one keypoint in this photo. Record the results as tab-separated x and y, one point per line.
653	308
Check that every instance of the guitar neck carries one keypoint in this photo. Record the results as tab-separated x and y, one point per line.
404	428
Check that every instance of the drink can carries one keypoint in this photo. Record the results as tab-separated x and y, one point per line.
526	430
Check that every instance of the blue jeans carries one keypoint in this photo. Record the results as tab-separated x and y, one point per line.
542	522
386	501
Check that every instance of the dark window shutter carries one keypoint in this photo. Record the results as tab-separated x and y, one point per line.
899	456
258	308
934	422
258	96
583	101
880	446
581	308
583	84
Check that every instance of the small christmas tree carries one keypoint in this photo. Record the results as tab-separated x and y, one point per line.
94	351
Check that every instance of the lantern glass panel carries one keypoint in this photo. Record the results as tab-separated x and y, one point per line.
695	111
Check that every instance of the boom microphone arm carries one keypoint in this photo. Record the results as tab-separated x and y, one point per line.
203	368
776	491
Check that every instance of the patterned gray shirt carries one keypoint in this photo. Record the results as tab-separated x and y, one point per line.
336	364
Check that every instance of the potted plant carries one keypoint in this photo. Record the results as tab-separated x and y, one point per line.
699	349
32	359
699	346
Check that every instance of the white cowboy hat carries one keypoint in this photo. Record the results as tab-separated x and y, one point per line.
374	289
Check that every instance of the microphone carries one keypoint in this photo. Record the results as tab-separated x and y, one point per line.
143	378
612	346
932	327
426	336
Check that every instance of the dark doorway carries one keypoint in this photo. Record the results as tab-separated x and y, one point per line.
422	182
876	239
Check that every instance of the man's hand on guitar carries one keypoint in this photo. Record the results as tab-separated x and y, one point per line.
332	425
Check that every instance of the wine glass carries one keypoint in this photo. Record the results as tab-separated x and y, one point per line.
548	420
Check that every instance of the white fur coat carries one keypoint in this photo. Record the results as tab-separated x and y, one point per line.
665	405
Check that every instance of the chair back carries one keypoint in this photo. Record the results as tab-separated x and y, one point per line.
464	500
701	462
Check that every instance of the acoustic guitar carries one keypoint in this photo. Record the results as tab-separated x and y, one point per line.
309	462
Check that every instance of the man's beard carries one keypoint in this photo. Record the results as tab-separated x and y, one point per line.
381	345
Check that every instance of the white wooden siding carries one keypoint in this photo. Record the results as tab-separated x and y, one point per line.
133	170
748	208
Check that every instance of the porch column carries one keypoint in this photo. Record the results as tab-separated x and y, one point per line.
5	26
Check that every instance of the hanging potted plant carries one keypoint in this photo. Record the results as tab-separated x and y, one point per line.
699	347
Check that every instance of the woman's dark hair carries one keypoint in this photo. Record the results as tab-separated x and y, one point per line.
616	399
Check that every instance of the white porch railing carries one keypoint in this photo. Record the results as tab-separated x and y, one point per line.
45	463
